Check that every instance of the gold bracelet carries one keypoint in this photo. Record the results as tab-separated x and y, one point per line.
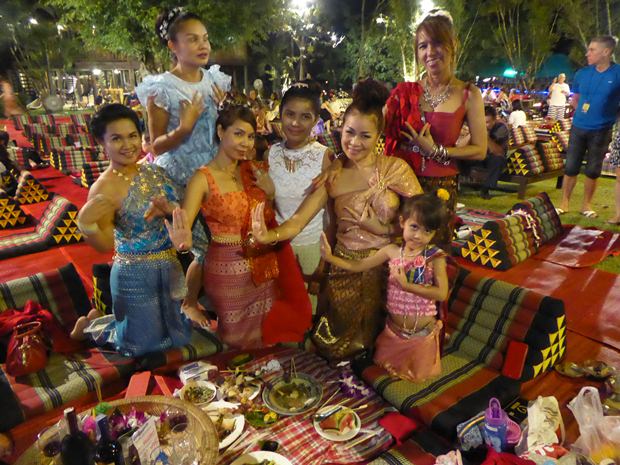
277	237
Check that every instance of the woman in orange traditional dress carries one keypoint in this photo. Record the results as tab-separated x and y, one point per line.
256	304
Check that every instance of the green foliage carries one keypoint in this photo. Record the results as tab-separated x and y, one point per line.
39	47
128	26
526	30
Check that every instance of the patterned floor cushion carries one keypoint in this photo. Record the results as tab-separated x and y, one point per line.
81	119
11	213
45	119
92	170
501	243
525	162
551	156
331	140
543	212
71	160
30	190
57	226
20	121
67	378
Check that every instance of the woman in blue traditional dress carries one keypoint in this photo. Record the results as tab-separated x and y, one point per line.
181	106
146	280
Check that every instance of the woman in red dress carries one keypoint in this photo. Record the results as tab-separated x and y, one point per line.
424	118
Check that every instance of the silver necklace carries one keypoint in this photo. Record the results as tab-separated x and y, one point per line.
435	100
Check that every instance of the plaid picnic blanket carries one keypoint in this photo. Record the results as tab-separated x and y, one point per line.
298	439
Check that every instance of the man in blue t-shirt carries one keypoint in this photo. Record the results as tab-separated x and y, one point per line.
595	100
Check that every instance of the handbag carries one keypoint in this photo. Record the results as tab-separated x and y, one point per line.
26	352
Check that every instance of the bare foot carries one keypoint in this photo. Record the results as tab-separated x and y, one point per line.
614	220
196	314
78	330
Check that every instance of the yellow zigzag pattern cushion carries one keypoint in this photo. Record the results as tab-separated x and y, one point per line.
11	213
30	190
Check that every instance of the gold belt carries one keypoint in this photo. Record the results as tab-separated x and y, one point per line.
167	254
227	240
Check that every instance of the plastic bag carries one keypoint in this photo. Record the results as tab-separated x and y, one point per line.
599	435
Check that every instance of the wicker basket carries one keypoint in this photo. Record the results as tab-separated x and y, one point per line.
199	423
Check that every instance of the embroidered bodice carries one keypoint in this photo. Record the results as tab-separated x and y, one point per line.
225	213
132	233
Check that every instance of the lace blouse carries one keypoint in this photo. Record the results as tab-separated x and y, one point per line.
292	172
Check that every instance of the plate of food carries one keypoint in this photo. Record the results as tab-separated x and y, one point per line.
198	393
262	458
239	388
260	416
228	421
343	425
292	395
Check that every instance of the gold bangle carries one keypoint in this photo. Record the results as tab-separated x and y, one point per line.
277	237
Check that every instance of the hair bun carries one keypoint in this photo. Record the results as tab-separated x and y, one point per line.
369	93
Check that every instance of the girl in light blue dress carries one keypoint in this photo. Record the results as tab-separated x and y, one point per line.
182	108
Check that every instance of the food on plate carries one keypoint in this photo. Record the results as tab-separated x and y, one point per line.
224	420
239	388
340	422
262	462
260	416
197	393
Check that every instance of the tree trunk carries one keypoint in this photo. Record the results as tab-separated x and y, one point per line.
360	65
608	17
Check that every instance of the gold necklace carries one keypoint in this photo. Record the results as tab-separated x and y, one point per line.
121	175
232	174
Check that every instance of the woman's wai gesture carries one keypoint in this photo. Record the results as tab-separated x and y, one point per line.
259	227
180	231
191	111
422	139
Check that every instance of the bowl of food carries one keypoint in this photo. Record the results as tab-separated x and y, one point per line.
342	425
239	388
198	393
292	395
228	421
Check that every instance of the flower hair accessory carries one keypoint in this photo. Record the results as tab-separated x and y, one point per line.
300	85
168	20
443	194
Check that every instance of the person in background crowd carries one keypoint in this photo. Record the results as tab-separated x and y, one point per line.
497	148
558	93
517	116
596	97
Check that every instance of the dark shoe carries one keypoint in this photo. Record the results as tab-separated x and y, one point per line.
484	194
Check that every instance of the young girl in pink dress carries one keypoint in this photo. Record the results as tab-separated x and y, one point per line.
408	347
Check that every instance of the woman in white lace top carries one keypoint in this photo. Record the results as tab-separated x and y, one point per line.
294	163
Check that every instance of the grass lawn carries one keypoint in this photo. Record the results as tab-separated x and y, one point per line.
501	202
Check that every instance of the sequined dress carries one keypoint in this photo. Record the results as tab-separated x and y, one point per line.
146	280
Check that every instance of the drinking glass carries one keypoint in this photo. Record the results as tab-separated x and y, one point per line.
48	443
184	450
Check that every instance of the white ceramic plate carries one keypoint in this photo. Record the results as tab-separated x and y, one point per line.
332	435
205	384
460	205
221	395
259	456
239	420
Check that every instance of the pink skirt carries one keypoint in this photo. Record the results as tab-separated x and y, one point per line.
414	357
241	306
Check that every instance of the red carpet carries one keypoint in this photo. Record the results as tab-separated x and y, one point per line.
591	297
